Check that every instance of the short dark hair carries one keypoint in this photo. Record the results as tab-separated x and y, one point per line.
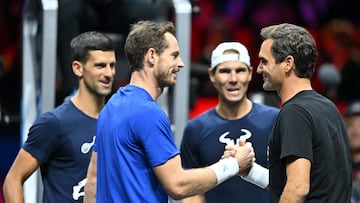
144	35
289	39
92	40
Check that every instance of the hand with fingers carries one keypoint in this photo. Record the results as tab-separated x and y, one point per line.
243	153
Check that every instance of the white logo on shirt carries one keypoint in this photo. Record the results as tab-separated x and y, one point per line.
232	142
85	148
78	189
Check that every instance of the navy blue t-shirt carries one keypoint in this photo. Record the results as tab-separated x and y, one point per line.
204	141
62	139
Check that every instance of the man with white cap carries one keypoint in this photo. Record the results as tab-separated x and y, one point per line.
234	117
352	120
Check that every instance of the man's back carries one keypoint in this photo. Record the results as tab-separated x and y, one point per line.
134	125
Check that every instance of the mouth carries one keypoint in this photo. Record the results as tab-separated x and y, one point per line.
265	77
106	84
233	91
176	71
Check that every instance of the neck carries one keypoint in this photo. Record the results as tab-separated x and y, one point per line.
293	86
233	111
88	103
145	81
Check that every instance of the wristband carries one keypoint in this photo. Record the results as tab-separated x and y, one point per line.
225	169
258	175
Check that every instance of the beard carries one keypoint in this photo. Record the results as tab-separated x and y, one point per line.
165	80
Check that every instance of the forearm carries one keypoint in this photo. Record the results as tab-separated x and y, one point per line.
293	195
258	175
180	183
23	166
191	182
297	184
91	178
195	199
90	191
223	170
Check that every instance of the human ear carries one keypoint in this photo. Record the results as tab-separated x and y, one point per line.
77	68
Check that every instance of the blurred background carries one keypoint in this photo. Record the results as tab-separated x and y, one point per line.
334	24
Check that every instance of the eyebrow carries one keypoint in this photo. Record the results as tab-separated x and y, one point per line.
103	64
262	58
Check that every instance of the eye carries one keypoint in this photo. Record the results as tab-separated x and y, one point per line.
241	69
100	65
175	55
263	62
112	65
224	70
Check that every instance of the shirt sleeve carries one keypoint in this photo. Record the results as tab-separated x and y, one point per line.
188	148
156	136
296	133
43	137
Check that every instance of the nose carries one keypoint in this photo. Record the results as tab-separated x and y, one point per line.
259	69
109	70
233	76
181	63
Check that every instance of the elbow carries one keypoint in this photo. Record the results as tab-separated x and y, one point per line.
178	191
10	182
5	188
298	192
12	188
302	190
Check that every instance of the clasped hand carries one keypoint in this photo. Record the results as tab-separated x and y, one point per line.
243	152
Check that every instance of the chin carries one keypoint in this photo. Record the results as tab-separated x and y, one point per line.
105	92
172	83
268	87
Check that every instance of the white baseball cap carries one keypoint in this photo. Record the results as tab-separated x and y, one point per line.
218	55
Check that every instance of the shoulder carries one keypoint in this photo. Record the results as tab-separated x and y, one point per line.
265	109
308	101
203	123
148	114
151	108
204	117
64	109
63	115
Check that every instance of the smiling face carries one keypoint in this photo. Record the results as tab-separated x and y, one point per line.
231	80
169	63
272	73
97	74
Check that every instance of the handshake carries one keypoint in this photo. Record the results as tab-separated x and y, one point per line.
244	155
240	160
